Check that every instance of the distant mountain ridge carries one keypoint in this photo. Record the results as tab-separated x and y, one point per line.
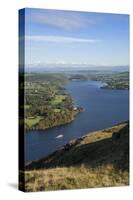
73	67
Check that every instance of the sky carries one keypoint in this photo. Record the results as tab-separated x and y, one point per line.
71	37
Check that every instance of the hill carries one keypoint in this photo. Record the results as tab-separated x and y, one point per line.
98	159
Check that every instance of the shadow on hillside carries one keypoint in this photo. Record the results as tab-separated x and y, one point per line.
114	151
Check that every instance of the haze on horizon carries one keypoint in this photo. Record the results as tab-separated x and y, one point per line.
71	37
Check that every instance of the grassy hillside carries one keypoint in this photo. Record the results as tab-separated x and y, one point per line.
96	160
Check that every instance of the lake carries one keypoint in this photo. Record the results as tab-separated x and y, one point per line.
103	108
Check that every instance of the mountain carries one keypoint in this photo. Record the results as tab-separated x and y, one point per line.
72	67
98	159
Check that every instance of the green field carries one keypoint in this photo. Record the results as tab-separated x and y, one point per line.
58	99
26	106
56	110
31	121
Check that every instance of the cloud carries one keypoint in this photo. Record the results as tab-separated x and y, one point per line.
61	19
59	39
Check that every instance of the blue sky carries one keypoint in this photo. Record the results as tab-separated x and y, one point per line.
53	36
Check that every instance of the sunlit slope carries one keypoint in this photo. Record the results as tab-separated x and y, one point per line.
95	160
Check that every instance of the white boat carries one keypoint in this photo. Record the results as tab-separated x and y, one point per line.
59	136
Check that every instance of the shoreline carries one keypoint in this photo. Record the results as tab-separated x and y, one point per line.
100	159
75	141
80	109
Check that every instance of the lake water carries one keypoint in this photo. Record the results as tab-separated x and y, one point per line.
103	108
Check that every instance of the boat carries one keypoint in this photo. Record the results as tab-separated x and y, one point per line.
59	136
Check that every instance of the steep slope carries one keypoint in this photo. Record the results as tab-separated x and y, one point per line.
95	160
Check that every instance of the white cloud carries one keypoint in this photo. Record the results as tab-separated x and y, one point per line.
62	19
59	39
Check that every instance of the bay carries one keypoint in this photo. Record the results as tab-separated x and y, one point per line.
102	108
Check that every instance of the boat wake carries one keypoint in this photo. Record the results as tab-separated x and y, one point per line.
59	136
